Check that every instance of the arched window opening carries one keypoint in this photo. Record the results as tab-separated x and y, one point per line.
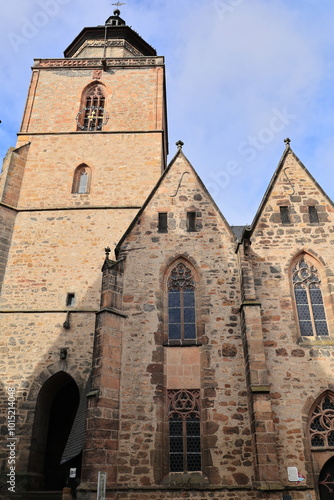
322	423
181	304
309	301
184	430
92	116
81	180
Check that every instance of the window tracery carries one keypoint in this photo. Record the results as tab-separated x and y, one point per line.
184	430
322	423
309	301
92	116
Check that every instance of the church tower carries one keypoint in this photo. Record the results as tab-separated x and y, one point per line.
92	144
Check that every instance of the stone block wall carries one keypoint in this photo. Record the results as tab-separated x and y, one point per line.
299	367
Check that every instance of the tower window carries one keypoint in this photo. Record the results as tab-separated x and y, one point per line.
285	215
184	431
81	180
313	215
162	222
181	304
309	301
191	221
91	117
70	298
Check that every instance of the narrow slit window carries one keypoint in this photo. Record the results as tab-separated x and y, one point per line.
191	222
313	215
70	299
285	215
162	222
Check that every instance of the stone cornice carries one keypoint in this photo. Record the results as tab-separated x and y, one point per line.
98	62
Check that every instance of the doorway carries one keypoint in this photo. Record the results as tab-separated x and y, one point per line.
56	407
326	481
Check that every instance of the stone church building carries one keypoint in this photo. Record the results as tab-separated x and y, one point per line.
149	348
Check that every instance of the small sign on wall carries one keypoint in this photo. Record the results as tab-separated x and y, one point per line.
295	476
73	473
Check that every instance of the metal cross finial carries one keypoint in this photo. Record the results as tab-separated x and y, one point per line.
287	141
92	116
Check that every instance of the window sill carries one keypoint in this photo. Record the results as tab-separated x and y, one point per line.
185	480
322	448
181	343
316	341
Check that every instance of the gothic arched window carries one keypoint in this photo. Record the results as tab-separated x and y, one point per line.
181	304
184	430
92	116
322	422
81	180
309	301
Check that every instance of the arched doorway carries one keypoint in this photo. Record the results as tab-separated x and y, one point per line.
326	481
56	407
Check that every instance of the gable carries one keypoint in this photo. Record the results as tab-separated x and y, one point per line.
293	201
188	208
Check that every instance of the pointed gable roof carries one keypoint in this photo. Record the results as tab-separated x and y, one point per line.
248	231
179	154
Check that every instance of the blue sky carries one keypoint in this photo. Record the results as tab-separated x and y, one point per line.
242	75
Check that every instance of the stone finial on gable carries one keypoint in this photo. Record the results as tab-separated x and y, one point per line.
179	144
287	142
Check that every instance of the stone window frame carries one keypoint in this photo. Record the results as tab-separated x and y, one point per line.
77	186
198	313
326	297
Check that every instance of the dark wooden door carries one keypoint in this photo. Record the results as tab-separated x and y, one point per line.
326	480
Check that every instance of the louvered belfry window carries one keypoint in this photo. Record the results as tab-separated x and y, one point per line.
181	304
322	423
184	430
309	301
94	110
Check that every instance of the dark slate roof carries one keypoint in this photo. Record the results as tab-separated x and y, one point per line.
76	439
238	231
110	32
